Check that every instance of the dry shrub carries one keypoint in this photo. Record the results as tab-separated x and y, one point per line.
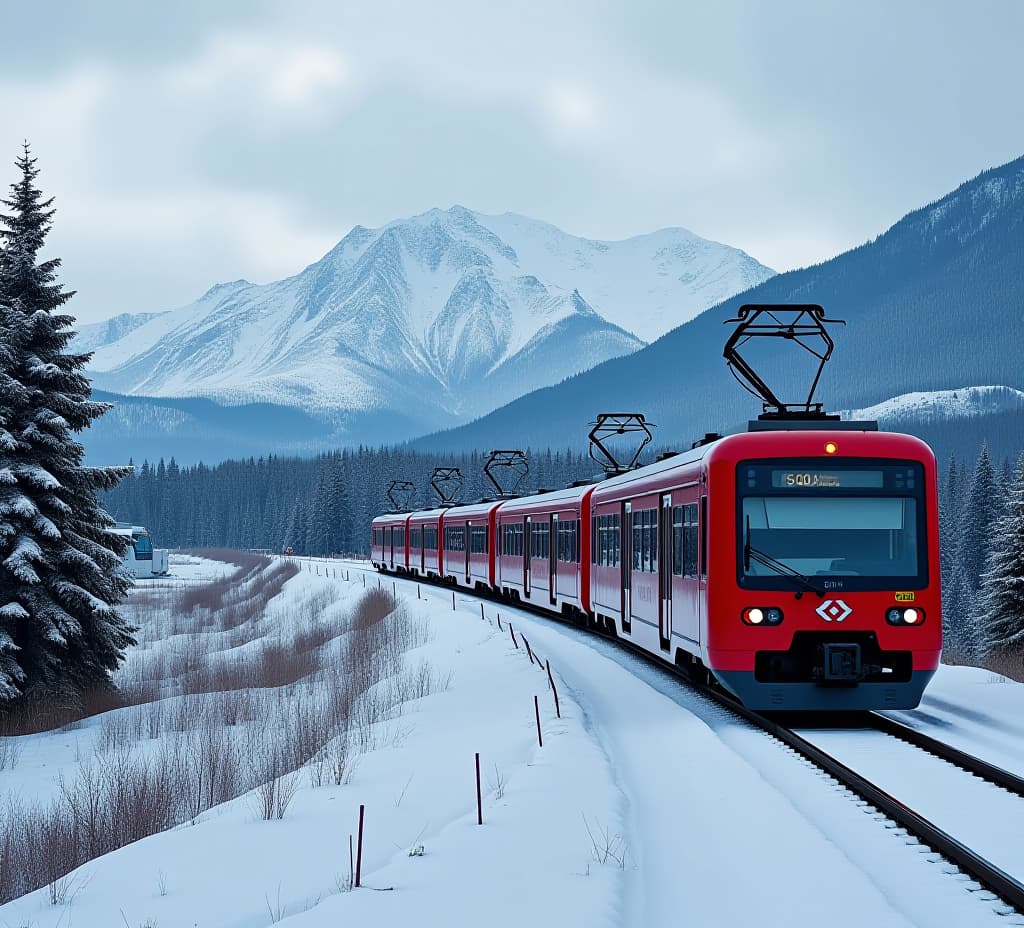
237	723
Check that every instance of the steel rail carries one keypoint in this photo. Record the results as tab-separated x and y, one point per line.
1011	782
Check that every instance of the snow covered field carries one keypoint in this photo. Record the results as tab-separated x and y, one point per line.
645	806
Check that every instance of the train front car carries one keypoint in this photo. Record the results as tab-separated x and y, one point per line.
823	577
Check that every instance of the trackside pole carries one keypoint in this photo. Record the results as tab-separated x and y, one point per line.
481	612
536	712
529	653
499	623
351	862
512	632
554	689
453	600
359	842
479	799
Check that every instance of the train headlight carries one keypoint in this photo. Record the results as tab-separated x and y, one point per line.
761	615
904	616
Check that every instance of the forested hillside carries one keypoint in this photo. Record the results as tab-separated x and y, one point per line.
316	506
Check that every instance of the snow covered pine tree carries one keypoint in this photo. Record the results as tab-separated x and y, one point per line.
60	564
1001	607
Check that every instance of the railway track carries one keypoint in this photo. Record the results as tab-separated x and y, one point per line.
970	862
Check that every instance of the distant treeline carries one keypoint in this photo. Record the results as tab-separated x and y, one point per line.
316	506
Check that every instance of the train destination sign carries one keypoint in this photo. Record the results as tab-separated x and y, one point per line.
828	479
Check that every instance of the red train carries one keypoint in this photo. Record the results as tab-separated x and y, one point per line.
796	564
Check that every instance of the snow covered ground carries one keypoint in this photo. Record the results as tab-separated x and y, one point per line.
646	806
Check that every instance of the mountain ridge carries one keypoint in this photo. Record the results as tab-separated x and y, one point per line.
438	316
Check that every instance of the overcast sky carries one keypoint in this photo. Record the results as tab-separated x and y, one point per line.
193	142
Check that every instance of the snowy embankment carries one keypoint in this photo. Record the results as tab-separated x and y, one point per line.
646	806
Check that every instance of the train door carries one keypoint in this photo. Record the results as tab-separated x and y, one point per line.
665	572
627	564
468	544
705	533
553	559
391	546
527	553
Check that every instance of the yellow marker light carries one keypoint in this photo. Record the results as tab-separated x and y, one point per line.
831	447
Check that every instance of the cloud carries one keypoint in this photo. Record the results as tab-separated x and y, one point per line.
254	71
168	246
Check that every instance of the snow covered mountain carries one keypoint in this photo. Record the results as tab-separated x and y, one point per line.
938	405
425	321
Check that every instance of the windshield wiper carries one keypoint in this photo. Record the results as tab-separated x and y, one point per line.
766	560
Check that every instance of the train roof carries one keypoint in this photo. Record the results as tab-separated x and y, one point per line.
569	494
761	437
484	507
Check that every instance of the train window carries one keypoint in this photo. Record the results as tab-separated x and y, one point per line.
652	534
429	538
690	540
636	517
478	539
616	540
568	550
677	540
414	538
512	540
399	537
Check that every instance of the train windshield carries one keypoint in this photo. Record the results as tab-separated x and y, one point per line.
861	525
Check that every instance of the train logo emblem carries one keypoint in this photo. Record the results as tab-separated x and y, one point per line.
833	610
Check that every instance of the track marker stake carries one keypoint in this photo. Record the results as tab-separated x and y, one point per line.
479	799
554	689
512	631
540	737
359	843
529	653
